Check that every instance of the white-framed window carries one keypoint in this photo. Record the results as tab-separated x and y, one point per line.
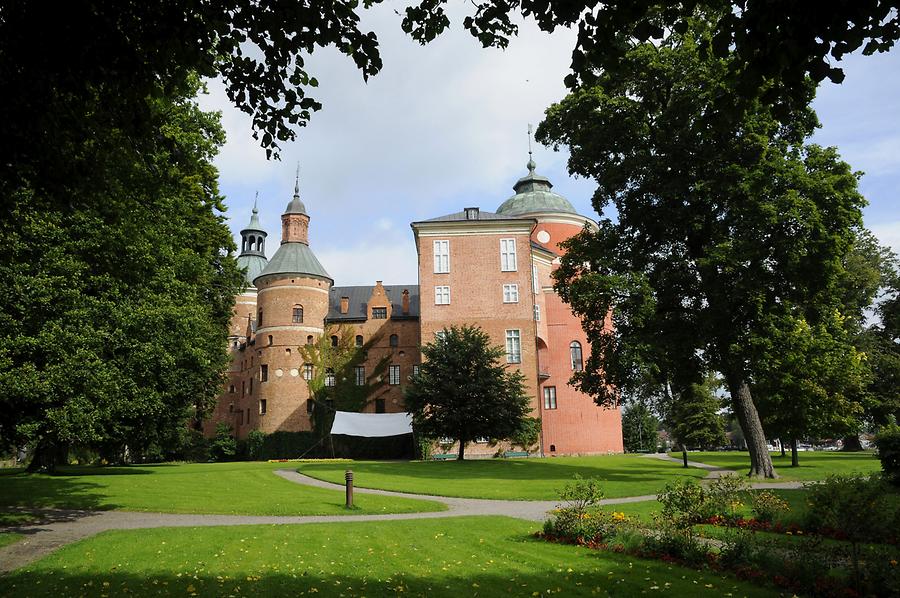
394	375
442	295
537	313
415	370
549	397
513	347
510	293
360	375
329	377
576	357
508	255
482	440
441	257
440	335
307	371
534	280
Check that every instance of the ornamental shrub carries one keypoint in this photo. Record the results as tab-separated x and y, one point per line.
223	446
887	441
725	497
768	506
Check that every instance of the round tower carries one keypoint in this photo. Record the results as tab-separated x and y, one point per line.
251	260
570	421
292	303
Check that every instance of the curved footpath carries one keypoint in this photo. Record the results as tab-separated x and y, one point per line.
59	527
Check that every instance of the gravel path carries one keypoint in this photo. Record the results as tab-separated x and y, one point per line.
58	527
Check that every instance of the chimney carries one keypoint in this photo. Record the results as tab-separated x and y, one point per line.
345	304
405	302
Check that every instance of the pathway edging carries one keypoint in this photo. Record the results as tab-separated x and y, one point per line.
59	527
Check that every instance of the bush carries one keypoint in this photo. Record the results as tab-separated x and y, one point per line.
725	497
223	446
887	441
767	506
858	508
684	503
580	519
254	445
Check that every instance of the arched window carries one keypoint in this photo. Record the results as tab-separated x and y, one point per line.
271	340
359	340
310	340
298	314
259	243
575	355
334	341
395	340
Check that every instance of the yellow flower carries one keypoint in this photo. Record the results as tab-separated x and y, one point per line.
893	562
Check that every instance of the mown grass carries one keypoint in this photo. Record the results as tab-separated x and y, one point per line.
214	488
814	465
452	557
510	479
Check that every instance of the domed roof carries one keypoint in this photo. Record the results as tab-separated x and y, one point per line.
533	194
294	258
295	206
252	265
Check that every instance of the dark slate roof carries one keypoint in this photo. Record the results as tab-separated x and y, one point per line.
457	216
359	298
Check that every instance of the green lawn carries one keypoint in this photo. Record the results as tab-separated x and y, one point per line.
814	465
483	556
220	488
512	479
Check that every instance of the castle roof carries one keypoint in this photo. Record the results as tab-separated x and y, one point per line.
252	265
533	195
294	258
359	297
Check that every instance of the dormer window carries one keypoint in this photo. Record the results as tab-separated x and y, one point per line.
379	313
471	213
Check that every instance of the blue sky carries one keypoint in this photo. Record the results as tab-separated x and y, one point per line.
443	127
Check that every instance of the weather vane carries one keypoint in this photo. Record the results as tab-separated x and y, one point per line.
529	139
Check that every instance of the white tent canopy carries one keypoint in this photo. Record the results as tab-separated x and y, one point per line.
371	425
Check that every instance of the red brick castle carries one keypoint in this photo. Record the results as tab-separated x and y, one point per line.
492	269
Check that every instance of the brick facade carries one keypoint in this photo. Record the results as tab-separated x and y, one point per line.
491	270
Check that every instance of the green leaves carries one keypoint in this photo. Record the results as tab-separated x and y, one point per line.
463	392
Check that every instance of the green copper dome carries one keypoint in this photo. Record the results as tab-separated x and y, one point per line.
294	258
533	194
252	265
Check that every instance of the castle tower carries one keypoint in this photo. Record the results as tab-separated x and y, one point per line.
292	303
251	260
571	422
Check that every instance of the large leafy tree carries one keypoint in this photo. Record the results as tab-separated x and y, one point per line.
724	226
462	390
116	300
126	52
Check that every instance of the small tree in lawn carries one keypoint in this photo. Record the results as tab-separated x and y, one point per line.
639	428
464	392
695	417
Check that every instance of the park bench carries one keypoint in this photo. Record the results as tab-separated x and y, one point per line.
444	457
511	454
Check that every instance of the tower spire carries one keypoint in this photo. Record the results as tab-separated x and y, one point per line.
531	165
255	200
297	181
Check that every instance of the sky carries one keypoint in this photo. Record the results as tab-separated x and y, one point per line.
444	126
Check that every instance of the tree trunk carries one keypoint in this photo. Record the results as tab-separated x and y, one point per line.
781	442
684	455
751	426
462	450
46	456
851	444
795	459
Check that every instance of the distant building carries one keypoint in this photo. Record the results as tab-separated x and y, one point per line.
492	269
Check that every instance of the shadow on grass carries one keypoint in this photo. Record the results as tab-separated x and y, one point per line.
52	492
326	580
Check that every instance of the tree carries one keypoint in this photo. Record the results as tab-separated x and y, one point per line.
723	228
695	418
115	302
462	390
333	385
808	40
639	428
